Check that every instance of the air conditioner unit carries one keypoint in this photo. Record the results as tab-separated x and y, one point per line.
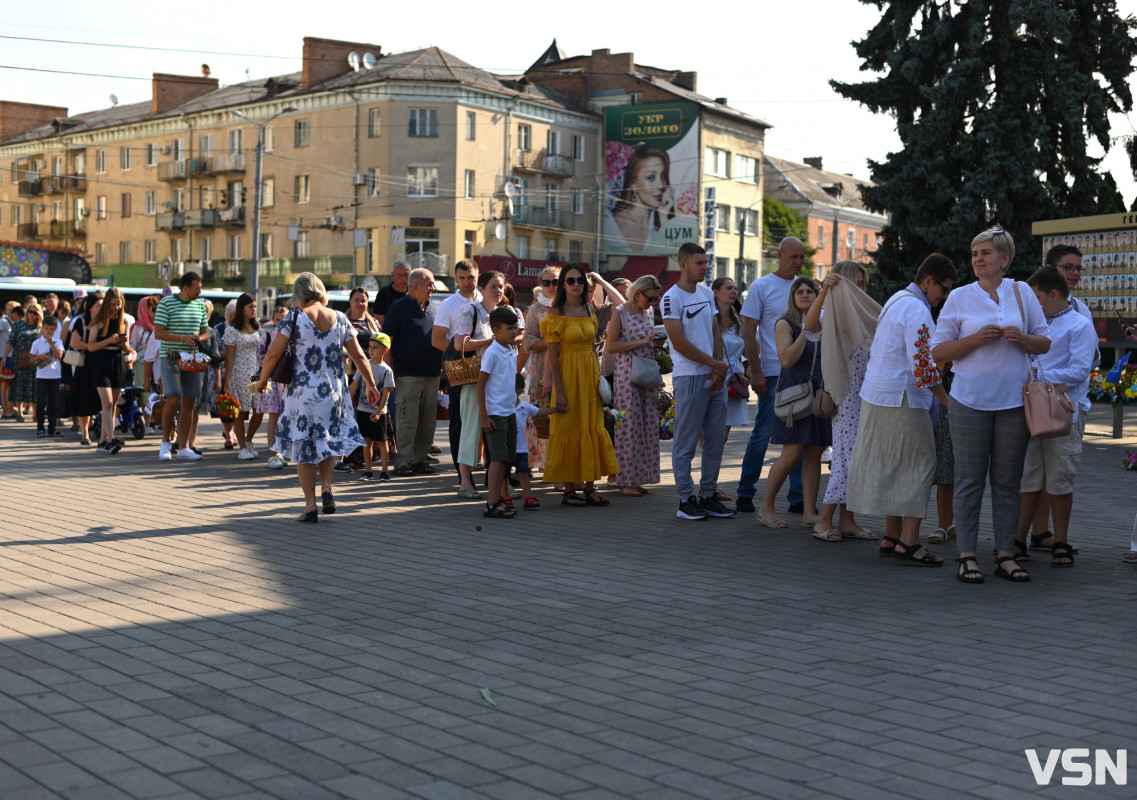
334	221
166	150
359	179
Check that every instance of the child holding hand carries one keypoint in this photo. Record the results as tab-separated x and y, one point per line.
373	419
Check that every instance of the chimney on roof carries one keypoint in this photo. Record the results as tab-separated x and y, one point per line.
721	101
17	118
172	90
813	161
688	80
327	58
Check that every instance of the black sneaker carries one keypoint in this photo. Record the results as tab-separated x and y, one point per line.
744	505
54	433
384	477
114	447
367	476
103	447
690	509
341	466
715	507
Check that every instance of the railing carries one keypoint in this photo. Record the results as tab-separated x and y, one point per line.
180	170
537	217
231	217
52	184
27	230
542	161
234	268
227	162
67	228
73	183
200	218
30	188
169	221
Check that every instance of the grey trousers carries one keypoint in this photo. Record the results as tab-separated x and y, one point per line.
988	445
697	410
416	410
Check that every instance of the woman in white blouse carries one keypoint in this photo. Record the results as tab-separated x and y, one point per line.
989	329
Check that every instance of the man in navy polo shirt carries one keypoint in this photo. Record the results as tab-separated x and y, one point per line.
417	365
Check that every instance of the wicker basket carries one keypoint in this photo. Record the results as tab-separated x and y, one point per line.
541	427
462	371
196	364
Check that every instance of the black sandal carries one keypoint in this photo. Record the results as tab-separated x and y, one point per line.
593	498
499	510
1015	574
966	574
908	557
1037	539
573	499
1062	550
887	551
329	502
1020	550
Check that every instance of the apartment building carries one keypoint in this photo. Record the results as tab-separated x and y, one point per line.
840	225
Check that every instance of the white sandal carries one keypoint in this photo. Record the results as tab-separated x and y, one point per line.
939	536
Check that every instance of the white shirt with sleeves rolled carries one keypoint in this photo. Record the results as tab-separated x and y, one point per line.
767	300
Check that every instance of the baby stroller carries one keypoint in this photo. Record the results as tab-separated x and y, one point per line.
129	418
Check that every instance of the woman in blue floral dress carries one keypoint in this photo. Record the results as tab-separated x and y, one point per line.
317	425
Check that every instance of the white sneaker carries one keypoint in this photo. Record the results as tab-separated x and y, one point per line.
246	454
188	455
252	450
275	462
164	452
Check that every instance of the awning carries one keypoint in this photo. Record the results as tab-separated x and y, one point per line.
638	266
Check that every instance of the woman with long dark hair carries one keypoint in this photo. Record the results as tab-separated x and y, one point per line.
108	349
242	340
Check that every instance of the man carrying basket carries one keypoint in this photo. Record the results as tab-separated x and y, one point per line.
180	322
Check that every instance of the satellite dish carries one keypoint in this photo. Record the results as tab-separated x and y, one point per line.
353	60
114	100
510	190
368	61
499	232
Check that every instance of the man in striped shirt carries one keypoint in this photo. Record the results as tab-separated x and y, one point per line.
180	322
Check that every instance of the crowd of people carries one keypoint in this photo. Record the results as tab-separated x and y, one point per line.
903	402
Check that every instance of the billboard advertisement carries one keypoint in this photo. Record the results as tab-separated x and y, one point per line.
651	165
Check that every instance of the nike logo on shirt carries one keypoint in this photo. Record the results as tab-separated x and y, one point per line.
696	312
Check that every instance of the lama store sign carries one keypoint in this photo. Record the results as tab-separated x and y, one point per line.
22	262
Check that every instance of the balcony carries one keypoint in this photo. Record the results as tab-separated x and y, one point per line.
180	170
32	188
227	162
27	230
73	183
52	184
533	216
200	218
543	162
68	229
231	218
234	269
170	221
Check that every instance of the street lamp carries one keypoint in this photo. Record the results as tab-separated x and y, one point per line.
257	189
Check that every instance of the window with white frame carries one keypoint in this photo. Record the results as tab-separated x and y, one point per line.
422	122
550	249
746	169
468	185
101	207
718	162
268	192
522	191
150	201
56	166
80	163
577	198
373	123
124	252
722	218
266	246
820	237
747	217
100	161
865	244
101	253
523	247
206	197
205	249
177	249
179	149
552	142
124	205
16	215
270	139
235	140
851	242
302	189
151	155
524	137
179	199
303	132
574	250
422	181
635	98
471	125
205	145
551	198
301	244
150	250
373	182
577	148
233	246
124	159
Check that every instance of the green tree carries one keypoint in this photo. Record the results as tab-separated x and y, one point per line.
781	221
995	102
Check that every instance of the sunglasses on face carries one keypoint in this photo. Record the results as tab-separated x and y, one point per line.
575	281
547	282
651	298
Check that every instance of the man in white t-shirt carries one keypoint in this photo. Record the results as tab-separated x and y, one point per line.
688	310
766	301
446	328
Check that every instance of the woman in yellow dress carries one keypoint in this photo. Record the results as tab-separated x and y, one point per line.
579	449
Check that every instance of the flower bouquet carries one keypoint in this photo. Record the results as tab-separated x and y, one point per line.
1130	460
6	374
228	407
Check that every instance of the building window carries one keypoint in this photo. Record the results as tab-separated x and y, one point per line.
865	244
124	204
471	122
80	163
422	181
57	166
177	249
101	253
525	137
552	143
522	191
235	139
470	240
233	247
205	249
16	216
718	162
422	122
303	132
205	146
550	249
150	250
303	189
747	221
635	98
301	244
268	192
179	149
270	140
577	201
206	197
551	199
574	250
179	199
124	252
151	155
373	128
746	169
469	184
851	242
523	247
820	237
373	182
150	200
266	246
578	148
101	207
236	194
124	159
722	218
100	161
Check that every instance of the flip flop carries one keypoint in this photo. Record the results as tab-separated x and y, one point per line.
776	522
832	535
863	533
938	536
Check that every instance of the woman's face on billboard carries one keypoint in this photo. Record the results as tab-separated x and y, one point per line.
649	183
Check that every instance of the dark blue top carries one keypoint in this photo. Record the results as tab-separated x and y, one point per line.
410	327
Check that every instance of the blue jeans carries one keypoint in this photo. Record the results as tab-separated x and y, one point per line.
755	455
697	411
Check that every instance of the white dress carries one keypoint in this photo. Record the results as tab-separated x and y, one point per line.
246	364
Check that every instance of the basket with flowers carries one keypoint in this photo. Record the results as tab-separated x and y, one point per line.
228	407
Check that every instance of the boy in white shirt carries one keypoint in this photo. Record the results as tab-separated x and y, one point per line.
373	419
47	352
497	396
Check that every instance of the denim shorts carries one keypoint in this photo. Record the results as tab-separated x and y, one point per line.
176	383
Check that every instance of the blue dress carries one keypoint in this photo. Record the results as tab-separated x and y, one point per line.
811	430
318	419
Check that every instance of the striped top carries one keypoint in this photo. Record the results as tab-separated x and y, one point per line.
180	317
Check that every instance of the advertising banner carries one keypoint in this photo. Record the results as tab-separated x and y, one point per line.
651	160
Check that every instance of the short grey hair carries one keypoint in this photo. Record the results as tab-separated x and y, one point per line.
398	264
1001	240
308	287
419	276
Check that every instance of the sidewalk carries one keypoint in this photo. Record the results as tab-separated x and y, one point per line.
167	630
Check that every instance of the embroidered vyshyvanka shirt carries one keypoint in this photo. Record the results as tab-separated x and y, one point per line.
900	362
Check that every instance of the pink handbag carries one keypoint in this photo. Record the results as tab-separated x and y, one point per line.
1048	407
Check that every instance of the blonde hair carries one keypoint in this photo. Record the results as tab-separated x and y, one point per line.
792	313
308	287
851	270
642	284
1002	241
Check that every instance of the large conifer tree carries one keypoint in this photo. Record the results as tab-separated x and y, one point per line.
995	103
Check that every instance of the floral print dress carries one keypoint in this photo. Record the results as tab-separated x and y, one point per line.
845	425
318	420
246	364
637	435
24	384
535	366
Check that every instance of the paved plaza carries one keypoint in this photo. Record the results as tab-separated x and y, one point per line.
167	630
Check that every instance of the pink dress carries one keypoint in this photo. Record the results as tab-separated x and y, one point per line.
637	435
